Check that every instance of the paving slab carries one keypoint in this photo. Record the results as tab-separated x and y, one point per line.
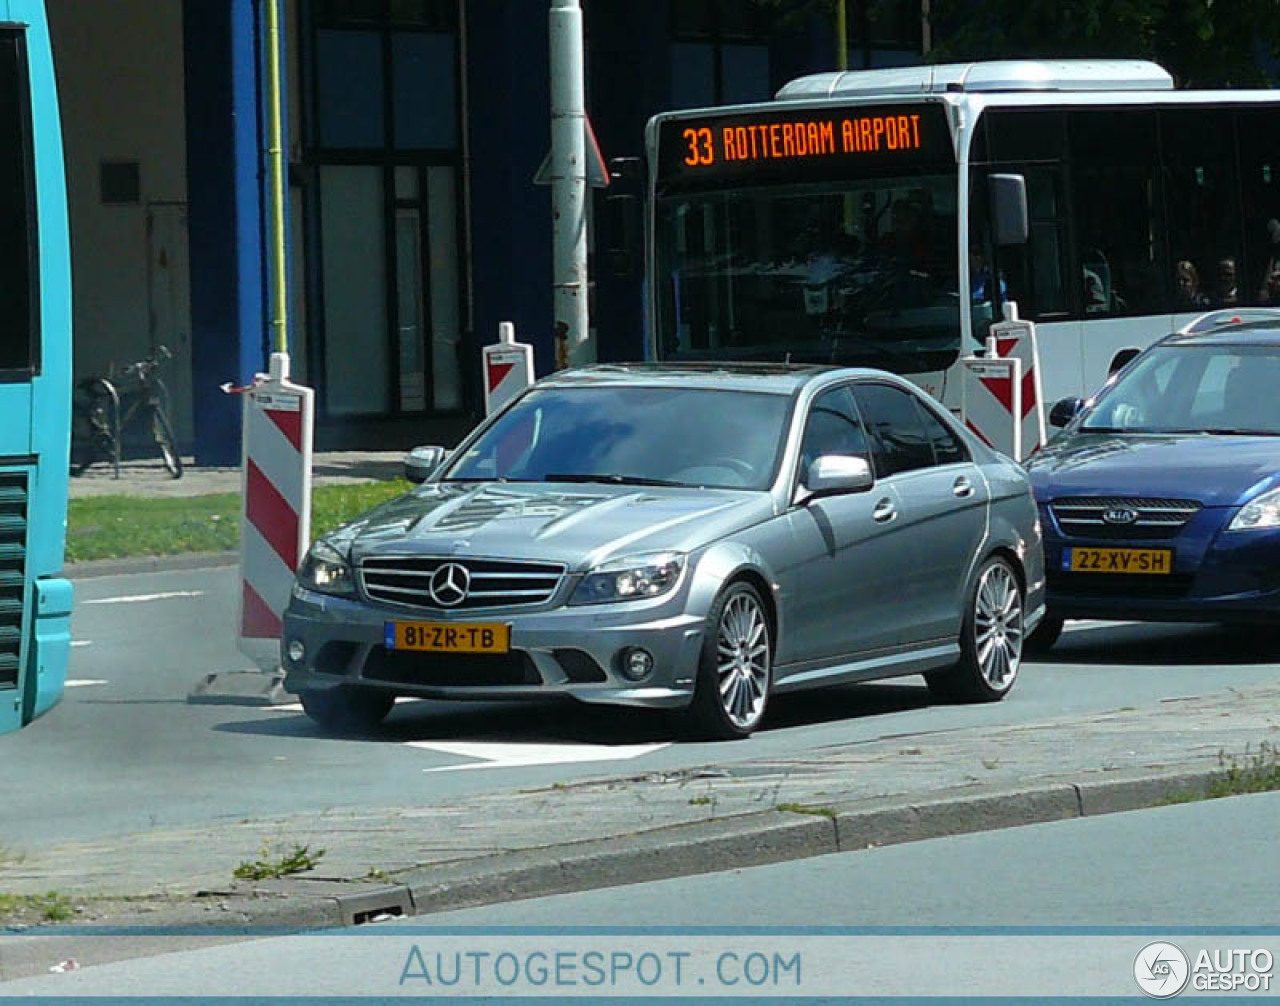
615	830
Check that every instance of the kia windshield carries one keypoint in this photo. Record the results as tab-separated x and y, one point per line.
1216	389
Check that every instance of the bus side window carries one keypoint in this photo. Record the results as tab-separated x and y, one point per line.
18	349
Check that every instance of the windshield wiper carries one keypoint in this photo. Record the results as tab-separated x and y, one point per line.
617	480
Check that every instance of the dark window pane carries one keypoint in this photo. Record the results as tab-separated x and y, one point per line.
745	74
692	18
833	427
693	75
1119	226
350	88
17	343
1258	134
1201	198
1025	135
349	13
425	78
947	448
742	20
435	15
898	437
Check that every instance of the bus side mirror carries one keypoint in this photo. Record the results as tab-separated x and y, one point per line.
1008	199
624	250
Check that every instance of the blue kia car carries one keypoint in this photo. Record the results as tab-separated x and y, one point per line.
1160	498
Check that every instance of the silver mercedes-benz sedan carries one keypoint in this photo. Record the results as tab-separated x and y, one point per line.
663	536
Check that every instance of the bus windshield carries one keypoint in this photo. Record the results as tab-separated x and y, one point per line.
844	271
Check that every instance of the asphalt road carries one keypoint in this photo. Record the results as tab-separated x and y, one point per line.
1153	870
124	752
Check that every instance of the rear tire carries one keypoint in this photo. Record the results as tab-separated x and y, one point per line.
168	448
347	709
1045	635
991	639
735	671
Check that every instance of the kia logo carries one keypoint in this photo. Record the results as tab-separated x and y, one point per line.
1120	515
449	585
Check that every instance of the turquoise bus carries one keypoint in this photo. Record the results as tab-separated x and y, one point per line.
35	372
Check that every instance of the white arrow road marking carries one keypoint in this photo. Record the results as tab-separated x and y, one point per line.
519	754
135	598
84	682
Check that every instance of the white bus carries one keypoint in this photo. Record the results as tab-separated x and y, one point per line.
850	220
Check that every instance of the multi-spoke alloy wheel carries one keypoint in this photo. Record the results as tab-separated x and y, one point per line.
991	639
997	623
736	668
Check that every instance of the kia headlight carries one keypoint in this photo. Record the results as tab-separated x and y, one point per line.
326	571
633	578
1261	512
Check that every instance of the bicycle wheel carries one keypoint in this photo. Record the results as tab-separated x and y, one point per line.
168	446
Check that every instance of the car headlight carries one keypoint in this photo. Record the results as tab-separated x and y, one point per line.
1261	512
633	578
326	571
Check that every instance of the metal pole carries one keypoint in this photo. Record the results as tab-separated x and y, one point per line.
842	36
926	27
275	160
568	171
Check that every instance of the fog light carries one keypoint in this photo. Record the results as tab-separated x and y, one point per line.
637	664
297	651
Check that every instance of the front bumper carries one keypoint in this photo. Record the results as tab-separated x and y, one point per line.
1218	576
564	651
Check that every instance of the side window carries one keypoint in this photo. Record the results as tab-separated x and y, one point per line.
1202	197
1258	134
833	427
898	438
947	447
17	333
1119	229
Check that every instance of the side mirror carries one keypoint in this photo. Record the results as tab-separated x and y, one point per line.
1064	411
421	462
835	474
1008	198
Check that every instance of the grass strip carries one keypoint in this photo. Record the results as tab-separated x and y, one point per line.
125	527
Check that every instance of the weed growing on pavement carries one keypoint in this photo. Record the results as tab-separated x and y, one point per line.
298	859
376	874
807	808
121	527
701	801
1256	771
10	857
49	907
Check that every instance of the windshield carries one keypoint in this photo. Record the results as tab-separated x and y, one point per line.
633	435
853	272
1197	389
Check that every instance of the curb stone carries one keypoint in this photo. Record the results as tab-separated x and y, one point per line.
91	568
741	841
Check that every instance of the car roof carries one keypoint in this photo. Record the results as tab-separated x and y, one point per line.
1231	333
771	378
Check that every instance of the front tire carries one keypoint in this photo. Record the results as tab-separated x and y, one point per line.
991	639
347	709
168	447
735	671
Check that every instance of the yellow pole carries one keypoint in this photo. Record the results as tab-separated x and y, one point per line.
275	158
842	36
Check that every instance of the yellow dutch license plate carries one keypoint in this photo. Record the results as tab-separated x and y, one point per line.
1118	560
448	637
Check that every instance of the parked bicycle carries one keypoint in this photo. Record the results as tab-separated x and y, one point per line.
131	398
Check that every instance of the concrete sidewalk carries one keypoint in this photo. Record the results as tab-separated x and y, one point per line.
148	477
503	846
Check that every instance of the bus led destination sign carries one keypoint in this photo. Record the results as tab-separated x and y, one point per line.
787	140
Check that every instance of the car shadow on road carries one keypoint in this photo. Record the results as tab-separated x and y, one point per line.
1169	644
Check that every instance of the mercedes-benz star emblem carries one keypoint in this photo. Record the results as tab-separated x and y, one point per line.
449	585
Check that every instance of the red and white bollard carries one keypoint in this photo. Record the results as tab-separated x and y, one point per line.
275	514
508	368
1003	404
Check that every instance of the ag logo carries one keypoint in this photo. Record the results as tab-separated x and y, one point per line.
1161	970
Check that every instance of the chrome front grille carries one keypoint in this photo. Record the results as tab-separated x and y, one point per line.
1086	516
492	583
13	549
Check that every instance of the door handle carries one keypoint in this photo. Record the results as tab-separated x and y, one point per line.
884	511
962	488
